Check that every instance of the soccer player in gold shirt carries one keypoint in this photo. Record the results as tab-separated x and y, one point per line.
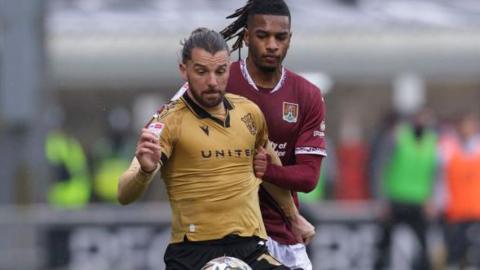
205	147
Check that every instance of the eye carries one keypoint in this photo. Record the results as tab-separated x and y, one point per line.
200	71
282	37
221	71
261	35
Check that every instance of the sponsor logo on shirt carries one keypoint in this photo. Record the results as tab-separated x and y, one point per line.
280	148
223	153
290	112
321	132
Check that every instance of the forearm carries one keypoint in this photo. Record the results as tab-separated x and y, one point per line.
281	196
302	176
133	183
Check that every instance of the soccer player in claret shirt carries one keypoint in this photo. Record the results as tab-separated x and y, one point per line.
293	108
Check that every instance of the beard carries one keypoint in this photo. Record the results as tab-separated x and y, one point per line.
262	66
205	99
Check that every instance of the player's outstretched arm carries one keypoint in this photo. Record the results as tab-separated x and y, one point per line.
135	180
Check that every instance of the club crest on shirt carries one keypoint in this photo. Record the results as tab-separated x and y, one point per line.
248	120
290	112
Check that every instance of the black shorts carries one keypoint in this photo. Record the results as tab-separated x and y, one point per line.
190	255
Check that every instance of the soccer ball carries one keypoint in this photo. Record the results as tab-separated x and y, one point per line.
226	263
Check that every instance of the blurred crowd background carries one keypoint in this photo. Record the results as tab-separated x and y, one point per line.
401	81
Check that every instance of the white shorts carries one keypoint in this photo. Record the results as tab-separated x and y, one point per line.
292	256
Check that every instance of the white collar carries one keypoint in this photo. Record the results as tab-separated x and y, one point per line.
248	78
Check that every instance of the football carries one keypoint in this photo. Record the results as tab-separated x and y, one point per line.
226	263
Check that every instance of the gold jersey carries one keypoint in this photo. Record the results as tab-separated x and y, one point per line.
207	168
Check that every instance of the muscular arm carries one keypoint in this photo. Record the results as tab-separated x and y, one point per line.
303	176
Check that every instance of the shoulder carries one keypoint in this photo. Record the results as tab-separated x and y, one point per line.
304	87
235	66
243	103
235	72
240	100
169	111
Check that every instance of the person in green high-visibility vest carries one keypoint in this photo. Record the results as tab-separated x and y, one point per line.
407	183
111	155
71	187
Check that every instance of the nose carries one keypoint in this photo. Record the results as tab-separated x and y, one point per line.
212	80
272	44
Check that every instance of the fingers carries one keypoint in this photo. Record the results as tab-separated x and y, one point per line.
147	135
148	151
307	238
260	162
261	150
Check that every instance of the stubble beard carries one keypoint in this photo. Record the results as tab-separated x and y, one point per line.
203	101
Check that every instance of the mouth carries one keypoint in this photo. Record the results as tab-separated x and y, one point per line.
271	58
211	93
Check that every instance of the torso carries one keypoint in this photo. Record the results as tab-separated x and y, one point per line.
288	111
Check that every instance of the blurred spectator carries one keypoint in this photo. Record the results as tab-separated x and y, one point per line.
407	183
71	183
460	155
352	162
378	143
111	155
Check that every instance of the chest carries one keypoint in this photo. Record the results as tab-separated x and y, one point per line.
207	140
283	111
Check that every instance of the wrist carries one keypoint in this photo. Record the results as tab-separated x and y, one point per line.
268	172
148	171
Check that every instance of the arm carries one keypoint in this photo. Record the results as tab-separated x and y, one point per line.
135	180
303	176
309	147
282	196
303	230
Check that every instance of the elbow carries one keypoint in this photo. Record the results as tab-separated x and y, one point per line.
122	199
309	182
309	185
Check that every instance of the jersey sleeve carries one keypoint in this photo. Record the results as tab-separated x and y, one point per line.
311	138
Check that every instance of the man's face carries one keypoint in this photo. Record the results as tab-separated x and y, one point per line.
268	39
207	76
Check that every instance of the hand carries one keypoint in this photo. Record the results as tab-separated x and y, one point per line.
303	230
148	151
260	162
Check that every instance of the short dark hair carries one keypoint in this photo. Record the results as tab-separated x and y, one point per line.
203	38
243	14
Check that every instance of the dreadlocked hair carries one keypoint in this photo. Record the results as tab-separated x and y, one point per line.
253	7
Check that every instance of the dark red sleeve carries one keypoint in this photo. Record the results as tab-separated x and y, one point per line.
303	176
311	138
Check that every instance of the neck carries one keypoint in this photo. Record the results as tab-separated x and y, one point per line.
263	78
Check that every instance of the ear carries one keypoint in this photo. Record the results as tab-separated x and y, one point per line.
183	71
245	36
